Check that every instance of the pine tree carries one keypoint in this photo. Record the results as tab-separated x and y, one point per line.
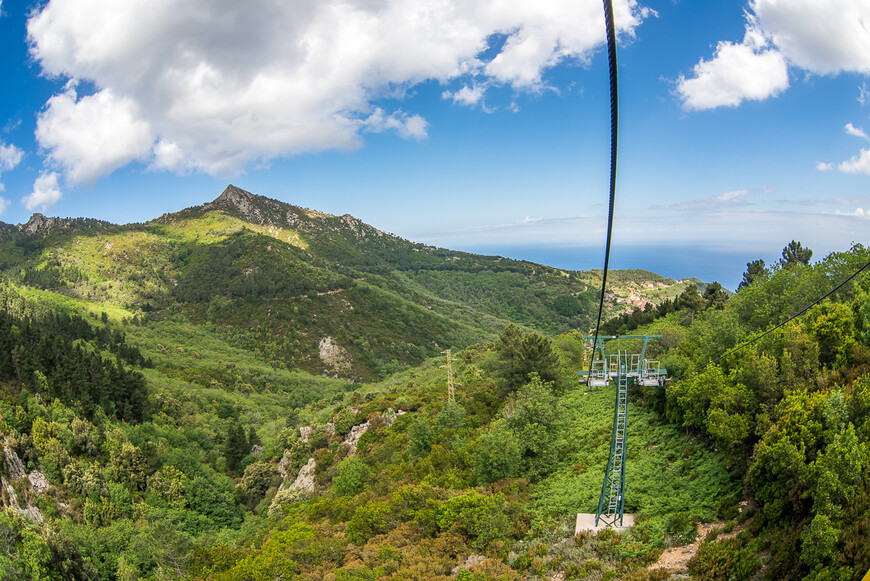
754	271
253	438
235	447
795	253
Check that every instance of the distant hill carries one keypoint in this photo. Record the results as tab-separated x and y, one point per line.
303	289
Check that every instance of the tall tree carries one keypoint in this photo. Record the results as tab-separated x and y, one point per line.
691	300
754	270
521	354
235	447
715	296
795	253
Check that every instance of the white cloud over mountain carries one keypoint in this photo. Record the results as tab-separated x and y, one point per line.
46	192
216	85
823	38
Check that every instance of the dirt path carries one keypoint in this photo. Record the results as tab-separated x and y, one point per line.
676	559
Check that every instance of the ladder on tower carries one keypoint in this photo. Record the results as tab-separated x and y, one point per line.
611	503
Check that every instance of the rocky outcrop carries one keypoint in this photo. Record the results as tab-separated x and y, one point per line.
335	357
28	484
13	463
238	200
352	438
305	479
45	225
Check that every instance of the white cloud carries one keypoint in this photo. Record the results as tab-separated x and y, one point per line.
855	131
468	96
857	164
822	166
4	203
820	37
824	38
214	86
715	228
94	135
10	157
858	213
737	72
405	125
734	198
46	192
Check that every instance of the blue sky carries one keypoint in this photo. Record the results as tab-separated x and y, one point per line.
477	125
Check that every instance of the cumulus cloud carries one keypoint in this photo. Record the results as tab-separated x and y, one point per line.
822	166
857	164
4	203
824	38
46	192
402	123
468	96
855	131
94	135
214	86
737	72
10	156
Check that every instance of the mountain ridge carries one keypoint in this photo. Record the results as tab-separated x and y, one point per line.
283	280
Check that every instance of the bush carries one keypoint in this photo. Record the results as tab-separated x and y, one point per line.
257	479
728	560
351	477
483	518
343	422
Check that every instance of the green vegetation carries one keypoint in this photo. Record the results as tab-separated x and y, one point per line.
154	379
278	280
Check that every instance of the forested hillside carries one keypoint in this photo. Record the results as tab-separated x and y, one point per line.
158	421
302	289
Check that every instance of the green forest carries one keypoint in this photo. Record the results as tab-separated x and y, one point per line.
165	414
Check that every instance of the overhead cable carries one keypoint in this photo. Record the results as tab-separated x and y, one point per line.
790	319
614	127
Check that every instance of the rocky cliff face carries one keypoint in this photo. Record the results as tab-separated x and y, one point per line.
40	224
246	205
264	211
27	485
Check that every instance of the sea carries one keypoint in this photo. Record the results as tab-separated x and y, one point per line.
707	264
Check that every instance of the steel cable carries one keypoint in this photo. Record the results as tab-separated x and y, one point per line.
790	319
614	128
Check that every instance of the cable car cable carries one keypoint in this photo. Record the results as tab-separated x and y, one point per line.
614	128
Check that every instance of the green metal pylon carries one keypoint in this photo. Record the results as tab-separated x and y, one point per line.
611	503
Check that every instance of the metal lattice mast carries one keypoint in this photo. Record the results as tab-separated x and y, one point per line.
451	390
611	503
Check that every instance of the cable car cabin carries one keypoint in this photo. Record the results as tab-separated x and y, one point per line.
634	366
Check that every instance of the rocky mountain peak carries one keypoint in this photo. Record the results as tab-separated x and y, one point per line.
37	222
43	224
242	201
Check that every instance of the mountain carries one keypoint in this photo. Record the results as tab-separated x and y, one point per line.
303	289
157	422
